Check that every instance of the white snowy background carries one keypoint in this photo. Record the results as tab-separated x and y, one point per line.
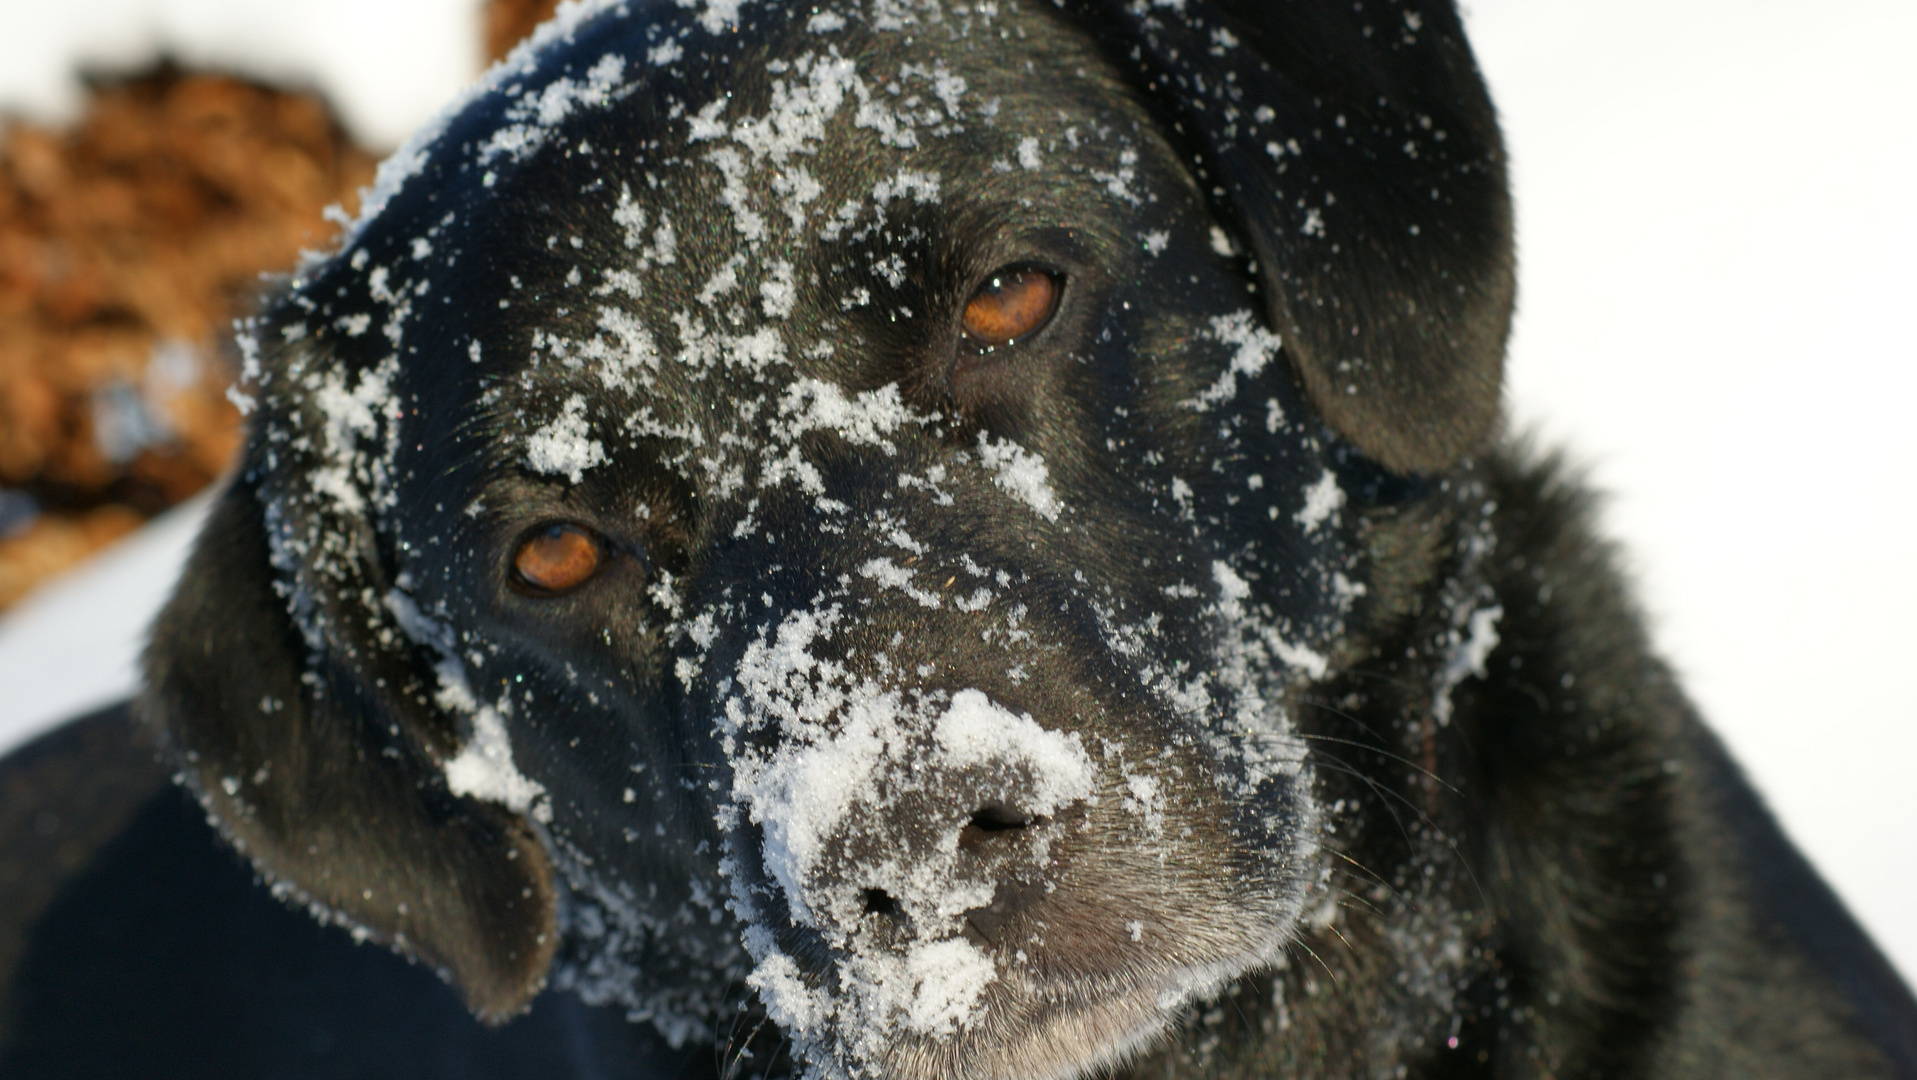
1718	266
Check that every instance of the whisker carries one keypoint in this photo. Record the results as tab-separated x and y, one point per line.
1341	937
1380	751
1451	844
1349	718
1363	869
1321	960
1335	766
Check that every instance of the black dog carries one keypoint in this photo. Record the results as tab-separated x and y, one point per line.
915	541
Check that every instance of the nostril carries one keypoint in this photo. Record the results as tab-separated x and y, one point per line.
995	822
998	818
880	902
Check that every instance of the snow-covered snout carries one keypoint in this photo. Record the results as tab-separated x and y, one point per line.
979	820
814	505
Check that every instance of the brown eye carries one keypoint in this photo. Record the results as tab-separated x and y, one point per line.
1012	303
556	559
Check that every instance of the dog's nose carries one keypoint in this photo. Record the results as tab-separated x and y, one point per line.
903	829
989	843
1006	863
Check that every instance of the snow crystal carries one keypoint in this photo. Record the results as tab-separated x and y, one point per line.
664	53
799	189
801	797
798	114
1254	657
534	115
1118	182
975	731
347	417
892	268
565	447
723	280
781	986
1323	500
734	195
1256	346
484	769
1021	473
778	292
1181	494
922	187
1146	801
893	131
948	88
933	988
705	124
890	575
980	599
632	218
716	15
862	420
1469	651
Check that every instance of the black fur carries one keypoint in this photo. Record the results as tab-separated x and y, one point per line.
1325	740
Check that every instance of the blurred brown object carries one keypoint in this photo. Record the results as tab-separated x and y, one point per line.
509	21
127	246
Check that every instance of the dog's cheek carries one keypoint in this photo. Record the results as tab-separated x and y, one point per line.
585	685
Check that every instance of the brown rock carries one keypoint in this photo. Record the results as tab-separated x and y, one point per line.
128	244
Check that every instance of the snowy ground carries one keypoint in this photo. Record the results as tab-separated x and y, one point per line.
1715	229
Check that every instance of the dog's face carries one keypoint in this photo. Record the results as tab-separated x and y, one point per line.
819	498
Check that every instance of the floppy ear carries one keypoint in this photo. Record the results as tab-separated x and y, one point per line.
308	755
1356	148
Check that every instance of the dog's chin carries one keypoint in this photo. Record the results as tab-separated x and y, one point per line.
1061	1029
1064	1002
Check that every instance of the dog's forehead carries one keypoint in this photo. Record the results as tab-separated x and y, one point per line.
647	226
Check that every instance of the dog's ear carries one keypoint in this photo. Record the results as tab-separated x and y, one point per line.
1356	147
308	753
